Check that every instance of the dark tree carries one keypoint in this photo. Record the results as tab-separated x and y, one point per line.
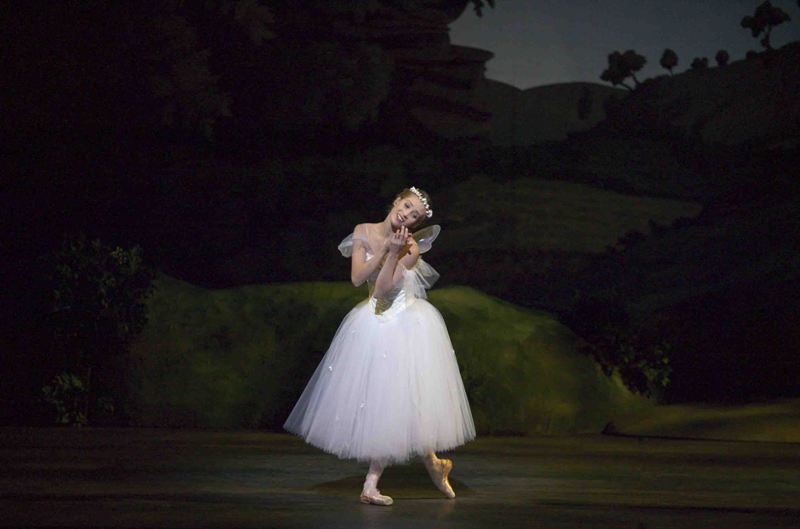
669	60
699	63
722	58
621	66
751	54
478	5
120	70
763	20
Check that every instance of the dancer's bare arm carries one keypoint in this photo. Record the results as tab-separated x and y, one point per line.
360	268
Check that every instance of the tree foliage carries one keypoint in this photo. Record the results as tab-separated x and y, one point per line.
254	19
97	307
478	5
765	18
699	63
669	60
621	66
67	393
116	68
722	57
150	75
604	324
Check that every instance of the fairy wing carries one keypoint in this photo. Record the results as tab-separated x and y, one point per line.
426	236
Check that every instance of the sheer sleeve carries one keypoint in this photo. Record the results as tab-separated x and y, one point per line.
346	246
355	240
419	278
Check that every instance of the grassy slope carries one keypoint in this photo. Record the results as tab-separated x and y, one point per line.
550	215
769	421
722	289
524	239
240	358
748	101
752	100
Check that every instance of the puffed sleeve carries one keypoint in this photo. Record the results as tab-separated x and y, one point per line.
346	246
353	241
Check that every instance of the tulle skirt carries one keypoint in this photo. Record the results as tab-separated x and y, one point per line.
388	388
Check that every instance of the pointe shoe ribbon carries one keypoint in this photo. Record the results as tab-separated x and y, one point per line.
439	470
375	497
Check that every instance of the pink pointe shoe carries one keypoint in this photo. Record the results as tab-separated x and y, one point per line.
439	469
375	497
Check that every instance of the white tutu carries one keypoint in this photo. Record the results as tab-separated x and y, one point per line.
389	386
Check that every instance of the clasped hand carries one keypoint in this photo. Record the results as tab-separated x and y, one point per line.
399	239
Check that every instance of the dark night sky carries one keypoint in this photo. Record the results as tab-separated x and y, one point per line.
540	42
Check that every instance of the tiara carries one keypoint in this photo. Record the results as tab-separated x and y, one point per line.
428	210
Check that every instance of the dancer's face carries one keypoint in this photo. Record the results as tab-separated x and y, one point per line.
407	211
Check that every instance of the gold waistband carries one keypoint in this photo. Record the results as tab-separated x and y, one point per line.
386	309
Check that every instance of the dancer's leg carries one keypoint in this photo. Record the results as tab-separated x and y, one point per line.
370	492
439	469
374	474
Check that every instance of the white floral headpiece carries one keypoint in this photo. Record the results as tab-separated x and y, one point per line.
428	210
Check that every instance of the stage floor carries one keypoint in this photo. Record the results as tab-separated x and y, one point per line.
110	477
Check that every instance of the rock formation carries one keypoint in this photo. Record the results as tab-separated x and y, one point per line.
434	84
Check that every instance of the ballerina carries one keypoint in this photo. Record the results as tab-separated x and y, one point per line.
389	387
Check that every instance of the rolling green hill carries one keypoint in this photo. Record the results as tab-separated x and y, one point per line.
525	239
748	102
540	214
752	101
774	421
240	358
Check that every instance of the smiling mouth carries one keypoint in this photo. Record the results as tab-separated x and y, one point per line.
399	219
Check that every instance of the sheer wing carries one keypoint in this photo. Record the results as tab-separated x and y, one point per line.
426	236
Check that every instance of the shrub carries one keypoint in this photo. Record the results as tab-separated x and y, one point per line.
608	336
97	307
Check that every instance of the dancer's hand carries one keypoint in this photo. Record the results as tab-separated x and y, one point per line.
397	240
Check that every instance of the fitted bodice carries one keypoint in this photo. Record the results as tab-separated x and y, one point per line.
393	302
